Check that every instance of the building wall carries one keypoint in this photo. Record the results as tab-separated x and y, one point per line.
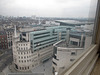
64	56
32	48
9	38
47	37
3	40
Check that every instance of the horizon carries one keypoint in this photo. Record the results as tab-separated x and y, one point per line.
47	8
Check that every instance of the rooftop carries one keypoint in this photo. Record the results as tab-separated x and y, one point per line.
2	33
64	44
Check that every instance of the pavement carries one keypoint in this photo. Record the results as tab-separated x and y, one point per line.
45	68
5	59
6	67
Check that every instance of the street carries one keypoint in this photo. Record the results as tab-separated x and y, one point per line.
45	68
5	59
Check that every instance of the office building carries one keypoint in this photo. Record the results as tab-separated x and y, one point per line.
65	52
33	47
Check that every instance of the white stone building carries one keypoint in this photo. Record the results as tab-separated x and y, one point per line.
24	58
65	52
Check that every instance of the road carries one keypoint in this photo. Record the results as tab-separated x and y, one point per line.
45	68
5	59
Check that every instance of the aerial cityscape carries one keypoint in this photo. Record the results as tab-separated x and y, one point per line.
37	39
27	43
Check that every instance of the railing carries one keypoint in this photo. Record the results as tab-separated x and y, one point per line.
84	64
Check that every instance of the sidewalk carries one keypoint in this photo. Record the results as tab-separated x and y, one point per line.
42	69
45	68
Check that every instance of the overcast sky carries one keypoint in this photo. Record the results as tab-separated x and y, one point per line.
45	8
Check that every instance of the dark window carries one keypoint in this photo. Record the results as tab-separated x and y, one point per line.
73	53
41	33
28	67
16	66
54	63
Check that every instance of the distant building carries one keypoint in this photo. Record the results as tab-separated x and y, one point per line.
1	28
3	40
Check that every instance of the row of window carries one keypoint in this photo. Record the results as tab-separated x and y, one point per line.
3	47
9	32
45	40
45	43
22	44
41	37
21	57
24	52
25	48
24	61
24	68
41	33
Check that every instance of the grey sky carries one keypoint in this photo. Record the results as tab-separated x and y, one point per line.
45	8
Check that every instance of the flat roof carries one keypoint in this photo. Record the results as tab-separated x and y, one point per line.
64	44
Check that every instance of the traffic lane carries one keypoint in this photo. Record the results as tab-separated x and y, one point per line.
6	62
5	54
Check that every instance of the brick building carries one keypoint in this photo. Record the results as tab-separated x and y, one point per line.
3	40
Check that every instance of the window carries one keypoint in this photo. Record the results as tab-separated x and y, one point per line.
25	68
28	67
32	65
20	68
72	59
24	60
54	63
73	53
21	57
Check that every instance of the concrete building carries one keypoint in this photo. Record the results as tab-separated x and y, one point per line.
65	52
31	48
10	33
